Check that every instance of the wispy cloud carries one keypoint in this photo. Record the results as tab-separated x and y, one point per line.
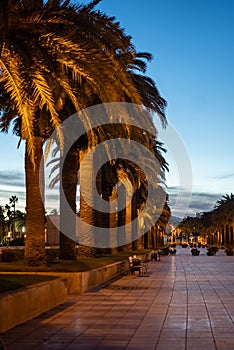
202	201
224	176
12	178
191	203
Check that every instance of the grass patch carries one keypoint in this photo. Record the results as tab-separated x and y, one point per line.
80	265
10	282
13	282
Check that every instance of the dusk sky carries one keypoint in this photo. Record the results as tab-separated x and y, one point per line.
192	43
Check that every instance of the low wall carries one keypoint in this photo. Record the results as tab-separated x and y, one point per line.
19	306
22	305
80	282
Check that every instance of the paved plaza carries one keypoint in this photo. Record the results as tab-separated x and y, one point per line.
184	302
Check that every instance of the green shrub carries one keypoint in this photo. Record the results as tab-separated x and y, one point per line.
195	251
229	251
212	250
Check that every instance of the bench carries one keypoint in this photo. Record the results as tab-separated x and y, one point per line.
136	264
156	255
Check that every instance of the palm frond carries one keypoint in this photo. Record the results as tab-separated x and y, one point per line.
16	87
91	5
43	97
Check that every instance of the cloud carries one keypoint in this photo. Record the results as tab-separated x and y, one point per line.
202	201
224	177
12	183
12	178
199	201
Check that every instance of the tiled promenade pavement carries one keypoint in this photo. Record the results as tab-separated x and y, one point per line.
185	302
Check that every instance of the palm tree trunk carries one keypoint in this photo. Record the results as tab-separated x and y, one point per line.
35	213
95	235
106	219
87	215
134	223
68	183
121	221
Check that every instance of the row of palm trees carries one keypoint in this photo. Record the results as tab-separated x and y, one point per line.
215	226
57	58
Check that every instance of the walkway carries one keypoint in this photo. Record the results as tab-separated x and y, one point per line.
186	302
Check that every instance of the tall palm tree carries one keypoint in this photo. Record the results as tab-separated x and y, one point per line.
47	55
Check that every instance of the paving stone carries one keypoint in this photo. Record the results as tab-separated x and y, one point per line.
185	303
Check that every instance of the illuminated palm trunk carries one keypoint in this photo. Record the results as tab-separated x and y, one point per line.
121	220
113	224
87	215
107	218
68	189
128	223
95	231
135	240
35	213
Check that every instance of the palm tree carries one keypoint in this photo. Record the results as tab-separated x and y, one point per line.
46	59
154	237
223	219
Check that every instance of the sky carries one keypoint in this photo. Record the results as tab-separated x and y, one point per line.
193	67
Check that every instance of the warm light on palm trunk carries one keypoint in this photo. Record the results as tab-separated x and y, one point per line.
35	214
